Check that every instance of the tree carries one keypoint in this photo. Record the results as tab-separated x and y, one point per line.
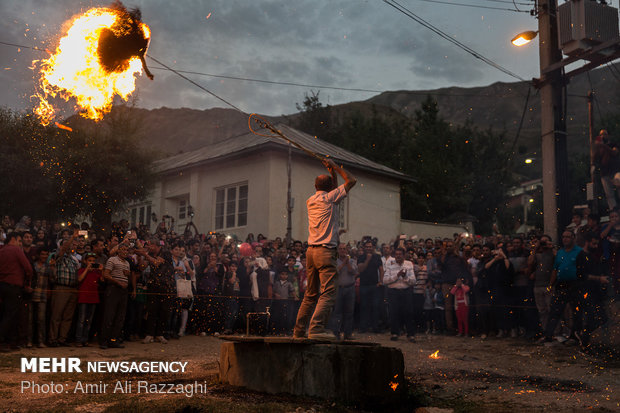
458	169
59	173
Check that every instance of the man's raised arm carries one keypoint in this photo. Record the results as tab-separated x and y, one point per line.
349	180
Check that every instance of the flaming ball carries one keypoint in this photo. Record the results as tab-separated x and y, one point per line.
96	60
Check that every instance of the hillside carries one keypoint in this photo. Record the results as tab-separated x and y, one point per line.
498	106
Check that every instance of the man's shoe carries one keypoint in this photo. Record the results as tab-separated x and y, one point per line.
394	337
103	346
500	334
411	339
41	345
52	344
322	336
161	339
63	344
147	340
114	344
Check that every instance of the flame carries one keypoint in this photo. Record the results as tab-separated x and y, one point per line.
393	385
74	71
435	355
61	126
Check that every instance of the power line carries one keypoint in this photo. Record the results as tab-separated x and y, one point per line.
196	84
475	6
511	2
294	84
273	82
444	35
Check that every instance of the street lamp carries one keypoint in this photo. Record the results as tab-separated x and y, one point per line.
524	38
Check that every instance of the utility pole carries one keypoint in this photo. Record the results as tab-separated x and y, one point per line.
553	125
594	204
289	200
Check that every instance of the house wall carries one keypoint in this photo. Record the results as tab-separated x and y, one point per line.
373	206
430	230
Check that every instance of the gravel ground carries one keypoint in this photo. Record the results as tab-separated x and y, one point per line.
470	375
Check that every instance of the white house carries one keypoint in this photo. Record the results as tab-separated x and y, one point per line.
239	186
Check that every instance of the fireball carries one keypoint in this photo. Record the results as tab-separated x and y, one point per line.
96	60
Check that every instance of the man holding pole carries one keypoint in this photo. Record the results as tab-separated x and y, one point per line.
321	255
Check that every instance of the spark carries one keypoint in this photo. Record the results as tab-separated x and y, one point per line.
435	355
61	126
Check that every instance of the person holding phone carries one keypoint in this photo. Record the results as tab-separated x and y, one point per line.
116	273
88	297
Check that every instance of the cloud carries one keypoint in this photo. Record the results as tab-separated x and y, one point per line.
343	43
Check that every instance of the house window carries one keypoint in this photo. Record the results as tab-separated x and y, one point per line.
231	206
182	209
141	216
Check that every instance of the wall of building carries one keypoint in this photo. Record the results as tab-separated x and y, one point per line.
373	206
430	230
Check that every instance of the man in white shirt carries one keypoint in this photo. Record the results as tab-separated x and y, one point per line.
399	279
321	254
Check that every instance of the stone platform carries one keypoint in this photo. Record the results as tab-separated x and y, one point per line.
349	371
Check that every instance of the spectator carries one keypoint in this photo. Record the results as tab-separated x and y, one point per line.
606	161
40	284
116	274
419	290
452	267
371	272
88	297
541	266
15	275
64	292
439	317
399	279
281	309
231	291
342	318
461	306
564	279
160	285
594	282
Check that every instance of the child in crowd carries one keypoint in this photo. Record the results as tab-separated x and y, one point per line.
281	309
231	291
461	306
88	297
439	317
428	306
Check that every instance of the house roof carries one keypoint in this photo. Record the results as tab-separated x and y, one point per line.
247	142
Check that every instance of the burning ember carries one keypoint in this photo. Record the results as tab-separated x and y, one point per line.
394	385
435	355
96	60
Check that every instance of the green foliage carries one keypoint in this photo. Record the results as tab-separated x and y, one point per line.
56	173
458	169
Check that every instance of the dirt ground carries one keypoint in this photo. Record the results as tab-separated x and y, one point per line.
471	375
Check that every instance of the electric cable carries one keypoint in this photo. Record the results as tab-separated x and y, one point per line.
274	82
421	21
475	6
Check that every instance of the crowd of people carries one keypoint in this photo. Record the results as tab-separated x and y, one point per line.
69	285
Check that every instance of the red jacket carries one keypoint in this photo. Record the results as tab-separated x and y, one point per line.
15	268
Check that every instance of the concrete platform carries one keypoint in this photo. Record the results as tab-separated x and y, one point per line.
349	371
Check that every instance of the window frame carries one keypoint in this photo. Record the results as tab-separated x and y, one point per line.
224	213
